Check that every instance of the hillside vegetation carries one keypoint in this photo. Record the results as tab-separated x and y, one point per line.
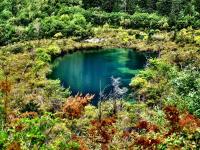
37	19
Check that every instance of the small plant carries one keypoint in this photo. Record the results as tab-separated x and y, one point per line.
102	131
82	144
172	115
146	126
147	143
5	87
74	106
14	146
189	121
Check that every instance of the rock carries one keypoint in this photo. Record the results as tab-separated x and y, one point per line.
94	40
158	37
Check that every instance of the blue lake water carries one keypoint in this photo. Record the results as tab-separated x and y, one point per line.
86	72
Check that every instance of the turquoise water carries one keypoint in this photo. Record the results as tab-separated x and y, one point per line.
86	72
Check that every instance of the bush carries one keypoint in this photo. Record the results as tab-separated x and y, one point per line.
187	85
6	33
42	55
5	15
34	134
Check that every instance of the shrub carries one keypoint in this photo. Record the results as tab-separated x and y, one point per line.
74	106
42	55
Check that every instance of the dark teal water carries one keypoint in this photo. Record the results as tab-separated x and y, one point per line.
84	72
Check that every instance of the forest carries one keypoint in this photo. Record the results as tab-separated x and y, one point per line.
157	109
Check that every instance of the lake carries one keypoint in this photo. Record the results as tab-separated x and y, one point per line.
87	72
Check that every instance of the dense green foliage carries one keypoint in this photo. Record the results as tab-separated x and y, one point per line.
25	20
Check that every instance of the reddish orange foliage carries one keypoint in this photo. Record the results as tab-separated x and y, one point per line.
5	86
147	142
19	127
189	120
74	106
153	128
142	125
147	126
14	146
177	123
102	131
82	144
172	115
126	135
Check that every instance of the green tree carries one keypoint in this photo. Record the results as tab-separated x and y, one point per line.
175	10
126	5
151	5
91	3
197	5
164	6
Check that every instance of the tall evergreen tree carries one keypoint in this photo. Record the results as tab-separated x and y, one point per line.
130	6
164	6
108	5
151	5
197	5
175	9
127	6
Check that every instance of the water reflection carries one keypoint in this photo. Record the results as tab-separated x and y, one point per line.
83	71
